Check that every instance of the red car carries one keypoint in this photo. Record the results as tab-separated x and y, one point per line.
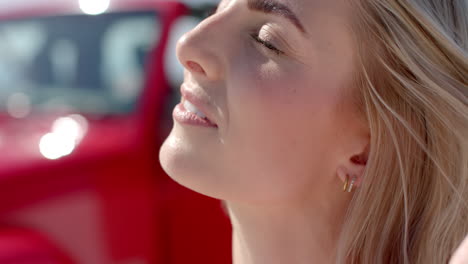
85	102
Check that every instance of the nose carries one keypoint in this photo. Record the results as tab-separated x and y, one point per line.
199	52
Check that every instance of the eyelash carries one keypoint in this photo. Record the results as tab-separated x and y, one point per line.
266	44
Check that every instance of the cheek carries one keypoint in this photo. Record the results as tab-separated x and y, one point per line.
280	124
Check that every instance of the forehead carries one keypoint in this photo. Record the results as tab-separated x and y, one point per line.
327	21
311	13
315	12
304	6
331	44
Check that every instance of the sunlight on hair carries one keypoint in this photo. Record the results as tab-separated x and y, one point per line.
94	7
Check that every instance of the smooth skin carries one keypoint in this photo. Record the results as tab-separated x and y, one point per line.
461	255
288	132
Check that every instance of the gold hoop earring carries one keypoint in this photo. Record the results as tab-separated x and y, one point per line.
345	187
351	185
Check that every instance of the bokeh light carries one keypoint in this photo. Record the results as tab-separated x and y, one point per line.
66	133
94	7
18	105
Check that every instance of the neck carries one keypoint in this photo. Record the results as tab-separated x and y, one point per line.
284	234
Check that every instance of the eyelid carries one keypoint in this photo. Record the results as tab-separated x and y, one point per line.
266	44
284	40
268	34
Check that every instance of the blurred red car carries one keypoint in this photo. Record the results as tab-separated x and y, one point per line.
85	103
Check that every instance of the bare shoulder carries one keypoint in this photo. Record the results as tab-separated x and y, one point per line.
461	255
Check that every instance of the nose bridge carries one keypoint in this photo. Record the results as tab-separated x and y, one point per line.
199	50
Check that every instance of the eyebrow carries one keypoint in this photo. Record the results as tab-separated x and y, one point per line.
273	7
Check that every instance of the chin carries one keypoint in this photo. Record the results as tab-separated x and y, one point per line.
185	166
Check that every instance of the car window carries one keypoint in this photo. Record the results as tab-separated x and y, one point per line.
80	63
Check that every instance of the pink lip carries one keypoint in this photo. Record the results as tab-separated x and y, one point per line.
181	115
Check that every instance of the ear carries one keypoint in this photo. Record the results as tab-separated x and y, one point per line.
354	166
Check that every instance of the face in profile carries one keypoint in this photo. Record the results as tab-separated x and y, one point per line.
267	111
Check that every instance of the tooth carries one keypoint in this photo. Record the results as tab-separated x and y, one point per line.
200	114
191	108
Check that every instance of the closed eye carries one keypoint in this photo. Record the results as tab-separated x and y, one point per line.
266	44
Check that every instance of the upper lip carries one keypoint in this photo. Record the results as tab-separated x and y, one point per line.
201	103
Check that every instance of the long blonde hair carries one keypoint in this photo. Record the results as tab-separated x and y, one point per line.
413	83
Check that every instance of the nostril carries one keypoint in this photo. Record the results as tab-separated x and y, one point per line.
193	66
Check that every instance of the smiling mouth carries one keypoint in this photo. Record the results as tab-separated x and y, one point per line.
193	109
187	113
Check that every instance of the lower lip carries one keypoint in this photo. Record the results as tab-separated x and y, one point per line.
183	116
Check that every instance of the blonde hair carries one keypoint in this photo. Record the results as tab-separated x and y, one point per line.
413	83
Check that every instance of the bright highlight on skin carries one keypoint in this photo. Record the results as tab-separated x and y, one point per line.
94	7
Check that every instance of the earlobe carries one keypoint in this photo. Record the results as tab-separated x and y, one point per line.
350	180
352	171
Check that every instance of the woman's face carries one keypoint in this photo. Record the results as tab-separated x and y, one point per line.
274	76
